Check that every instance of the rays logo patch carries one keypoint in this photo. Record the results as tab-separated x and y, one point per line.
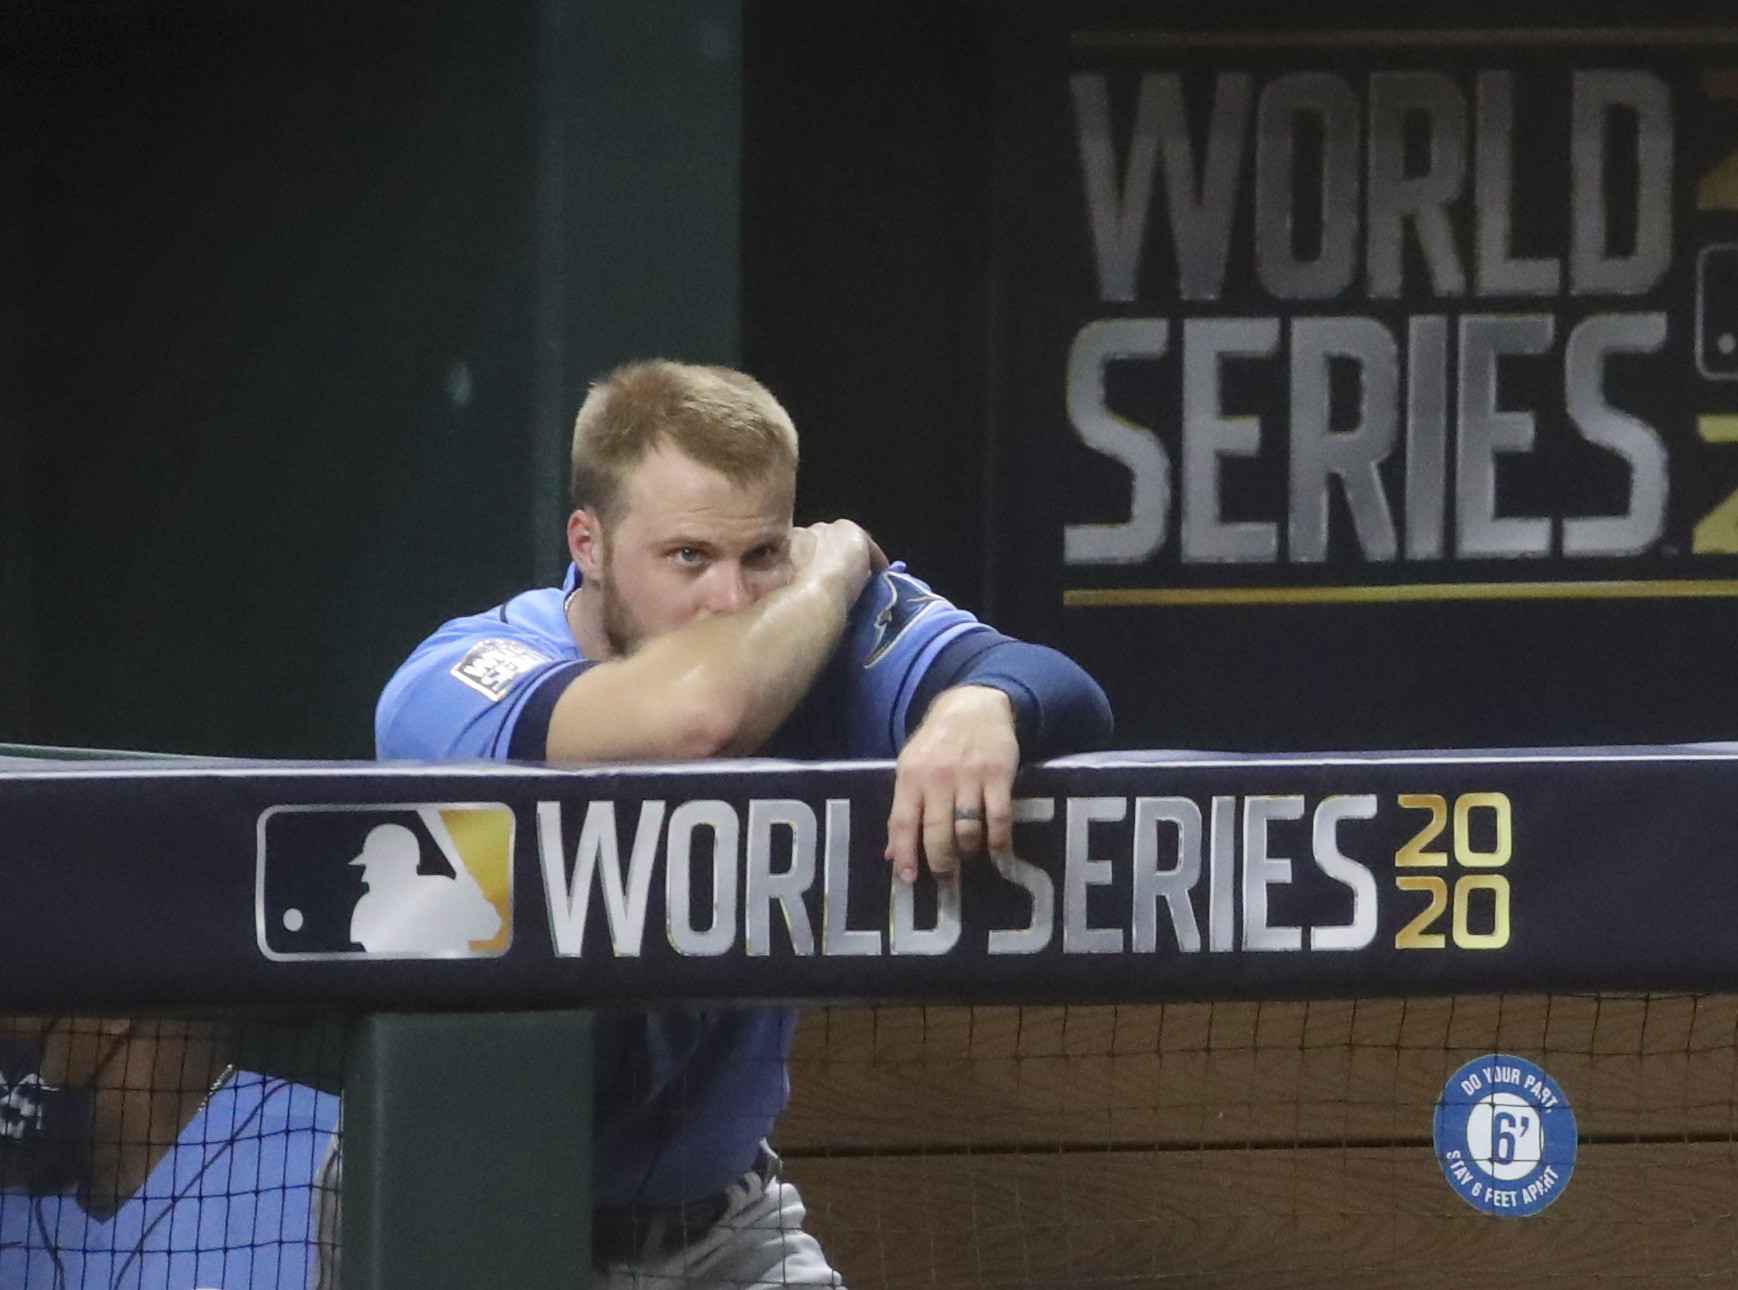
1505	1136
419	880
903	601
490	667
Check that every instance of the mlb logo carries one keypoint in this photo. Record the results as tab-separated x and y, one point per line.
1717	312
427	880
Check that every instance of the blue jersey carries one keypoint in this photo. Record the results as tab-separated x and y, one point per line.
461	694
230	1207
683	1099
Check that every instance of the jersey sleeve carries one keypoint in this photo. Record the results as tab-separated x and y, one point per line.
461	695
896	630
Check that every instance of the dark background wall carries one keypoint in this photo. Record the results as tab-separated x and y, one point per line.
308	294
278	360
866	207
305	295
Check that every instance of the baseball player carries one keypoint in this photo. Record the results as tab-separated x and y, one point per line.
215	1186
696	621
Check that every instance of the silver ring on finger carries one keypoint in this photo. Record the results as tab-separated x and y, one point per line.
968	815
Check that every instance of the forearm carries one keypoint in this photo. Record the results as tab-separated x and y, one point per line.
719	685
747	671
1058	707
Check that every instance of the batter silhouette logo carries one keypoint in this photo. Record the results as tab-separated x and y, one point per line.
416	880
1505	1135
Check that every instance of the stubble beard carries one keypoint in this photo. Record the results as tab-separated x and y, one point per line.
621	626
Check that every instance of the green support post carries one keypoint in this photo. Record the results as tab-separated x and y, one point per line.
638	210
467	1152
467	1139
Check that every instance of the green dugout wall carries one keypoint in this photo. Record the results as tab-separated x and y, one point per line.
311	294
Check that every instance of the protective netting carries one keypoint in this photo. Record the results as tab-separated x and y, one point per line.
1226	1144
166	1152
1255	1144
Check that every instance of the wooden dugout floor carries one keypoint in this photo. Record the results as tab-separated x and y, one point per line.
1265	1144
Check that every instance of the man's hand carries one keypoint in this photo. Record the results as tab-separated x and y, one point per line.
839	551
953	786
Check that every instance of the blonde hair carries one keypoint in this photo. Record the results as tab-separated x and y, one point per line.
719	417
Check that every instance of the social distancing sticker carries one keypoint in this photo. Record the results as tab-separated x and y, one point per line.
1505	1135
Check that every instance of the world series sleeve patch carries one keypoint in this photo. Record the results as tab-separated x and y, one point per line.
491	666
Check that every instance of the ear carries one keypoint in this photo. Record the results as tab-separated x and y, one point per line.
585	542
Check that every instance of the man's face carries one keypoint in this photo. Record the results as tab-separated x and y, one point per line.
688	542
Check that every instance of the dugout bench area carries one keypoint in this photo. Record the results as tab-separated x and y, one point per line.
1178	1043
